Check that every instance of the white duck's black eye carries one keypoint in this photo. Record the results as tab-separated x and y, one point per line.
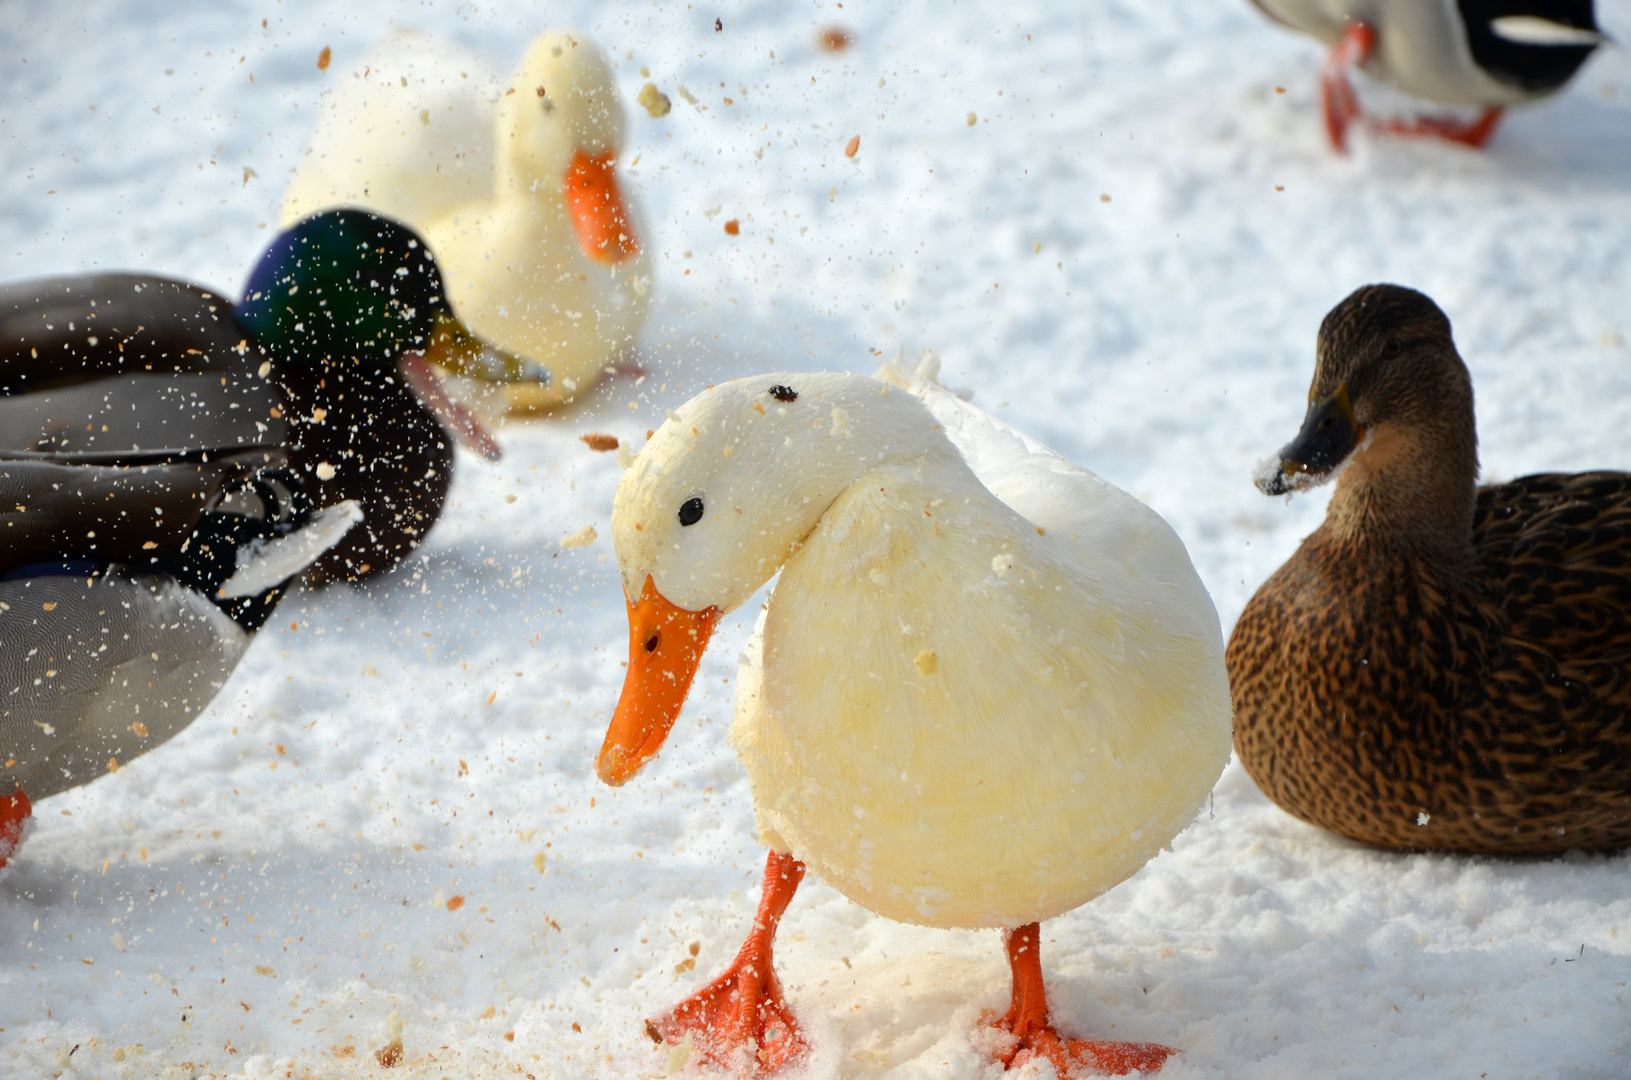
783	393
690	511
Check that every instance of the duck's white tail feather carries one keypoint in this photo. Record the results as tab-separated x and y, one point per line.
265	563
1091	516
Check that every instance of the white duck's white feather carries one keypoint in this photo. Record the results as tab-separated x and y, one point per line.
421	131
1054	493
955	715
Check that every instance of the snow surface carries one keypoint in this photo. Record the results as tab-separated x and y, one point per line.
1127	256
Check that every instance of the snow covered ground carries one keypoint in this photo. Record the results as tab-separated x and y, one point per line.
1126	254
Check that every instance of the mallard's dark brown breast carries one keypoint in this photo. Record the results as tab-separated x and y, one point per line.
387	451
1481	705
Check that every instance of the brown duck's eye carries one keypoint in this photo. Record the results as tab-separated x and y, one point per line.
784	393
651	643
1392	348
690	512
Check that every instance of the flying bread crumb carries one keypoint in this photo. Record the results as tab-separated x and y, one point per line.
582	538
834	38
654	101
597	441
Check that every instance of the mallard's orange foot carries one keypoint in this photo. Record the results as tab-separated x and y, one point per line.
1027	1020
1341	103
741	1017
1342	108
1473	133
14	813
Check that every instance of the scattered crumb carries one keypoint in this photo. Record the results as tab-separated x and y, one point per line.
454	903
597	441
389	1056
582	538
733	227
853	146
972	119
834	38
654	101
927	662
324	57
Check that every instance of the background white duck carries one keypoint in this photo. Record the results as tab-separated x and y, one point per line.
988	686
513	185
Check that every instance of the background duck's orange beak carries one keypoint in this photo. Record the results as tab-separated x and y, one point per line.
665	647
596	205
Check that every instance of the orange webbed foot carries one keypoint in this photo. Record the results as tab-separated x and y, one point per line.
738	1019
741	1018
1027	1020
1076	1057
1473	133
15	810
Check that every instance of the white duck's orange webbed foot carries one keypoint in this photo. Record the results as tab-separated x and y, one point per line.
1027	1021
741	1017
15	810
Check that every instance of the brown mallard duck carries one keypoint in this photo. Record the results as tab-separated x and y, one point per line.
1439	665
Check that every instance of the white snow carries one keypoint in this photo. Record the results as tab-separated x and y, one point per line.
1127	255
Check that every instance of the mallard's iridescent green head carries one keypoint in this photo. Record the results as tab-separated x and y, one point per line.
351	286
344	285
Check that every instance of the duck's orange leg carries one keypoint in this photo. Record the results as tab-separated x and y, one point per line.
1473	133
1341	103
14	811
1342	106
742	1013
1027	1018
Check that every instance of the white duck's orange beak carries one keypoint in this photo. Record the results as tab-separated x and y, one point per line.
596	204
665	647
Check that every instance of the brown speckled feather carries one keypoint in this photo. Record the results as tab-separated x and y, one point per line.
1414	692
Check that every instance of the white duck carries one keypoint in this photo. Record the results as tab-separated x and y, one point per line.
988	686
1491	53
514	187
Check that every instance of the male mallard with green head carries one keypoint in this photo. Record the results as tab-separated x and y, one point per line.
169	461
1439	665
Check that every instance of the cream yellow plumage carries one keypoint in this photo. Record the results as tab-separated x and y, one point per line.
988	685
421	132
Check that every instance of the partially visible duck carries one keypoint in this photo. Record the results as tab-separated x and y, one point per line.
987	688
329	357
1439	665
1488	53
130	586
514	185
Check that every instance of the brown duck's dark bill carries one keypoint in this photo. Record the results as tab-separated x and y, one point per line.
1329	434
